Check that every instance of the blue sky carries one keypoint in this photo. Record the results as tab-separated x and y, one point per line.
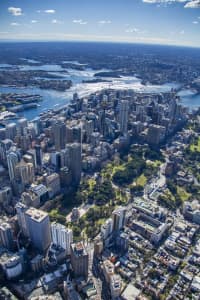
175	22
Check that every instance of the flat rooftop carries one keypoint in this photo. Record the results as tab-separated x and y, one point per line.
36	214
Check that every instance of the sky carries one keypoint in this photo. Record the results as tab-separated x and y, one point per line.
171	22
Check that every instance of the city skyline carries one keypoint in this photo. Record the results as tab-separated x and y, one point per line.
100	21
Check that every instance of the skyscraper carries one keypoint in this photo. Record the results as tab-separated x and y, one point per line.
6	236
11	131
118	217
75	161
21	125
12	160
62	236
38	153
38	226
4	147
59	135
79	259
123	116
25	172
21	209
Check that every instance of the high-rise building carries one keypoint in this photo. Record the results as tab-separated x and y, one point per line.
38	154
2	133
53	184
123	116
64	158
4	147
25	172
106	229
21	209
59	135
21	125
62	236
115	286
6	236
38	226
119	217
75	161
79	259
12	160
156	134
5	195
11	131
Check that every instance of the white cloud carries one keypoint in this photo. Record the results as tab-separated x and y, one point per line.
49	11
164	1
34	21
132	30
54	21
182	32
14	24
103	22
195	22
193	4
15	11
188	3
80	21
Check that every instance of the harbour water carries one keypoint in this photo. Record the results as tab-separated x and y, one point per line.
56	99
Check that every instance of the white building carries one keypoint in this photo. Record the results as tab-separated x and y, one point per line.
107	228
115	286
118	216
12	159
61	236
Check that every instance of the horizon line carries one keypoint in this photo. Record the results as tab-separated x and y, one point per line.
93	41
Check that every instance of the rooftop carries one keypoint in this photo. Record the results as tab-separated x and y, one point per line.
36	214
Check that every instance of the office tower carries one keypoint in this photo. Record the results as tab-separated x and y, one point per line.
30	199
89	129
6	236
102	118
53	184
75	161
38	226
12	160
2	134
65	158
77	134
118	217
62	236
55	159
115	286
25	172
38	154
69	134
21	125
65	177
107	228
59	135
5	145
23	142
123	116
37	125
11	131
29	157
156	134
79	260
5	195
21	209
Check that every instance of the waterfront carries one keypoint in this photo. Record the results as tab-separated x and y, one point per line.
55	99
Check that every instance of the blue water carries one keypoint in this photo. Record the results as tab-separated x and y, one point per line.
54	99
190	99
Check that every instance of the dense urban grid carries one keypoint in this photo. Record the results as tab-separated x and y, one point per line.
99	199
